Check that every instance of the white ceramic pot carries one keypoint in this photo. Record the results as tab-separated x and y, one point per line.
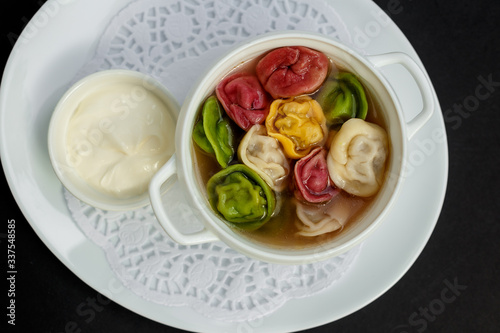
399	131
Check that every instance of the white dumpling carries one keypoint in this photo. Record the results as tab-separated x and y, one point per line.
315	220
357	156
264	155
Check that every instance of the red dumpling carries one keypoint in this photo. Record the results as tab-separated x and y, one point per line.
292	71
312	180
244	99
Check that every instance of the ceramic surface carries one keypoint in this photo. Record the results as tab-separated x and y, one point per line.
41	75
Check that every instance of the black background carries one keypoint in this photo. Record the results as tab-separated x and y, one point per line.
458	41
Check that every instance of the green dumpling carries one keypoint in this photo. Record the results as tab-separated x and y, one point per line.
241	197
342	99
213	133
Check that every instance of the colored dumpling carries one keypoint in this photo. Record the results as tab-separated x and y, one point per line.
264	155
244	99
315	220
311	178
292	71
343	98
213	134
298	123
241	197
357	156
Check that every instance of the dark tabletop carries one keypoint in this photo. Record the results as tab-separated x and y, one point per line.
459	43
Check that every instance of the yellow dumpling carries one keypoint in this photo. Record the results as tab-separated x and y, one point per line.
298	123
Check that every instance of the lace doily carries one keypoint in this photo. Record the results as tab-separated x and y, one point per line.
175	41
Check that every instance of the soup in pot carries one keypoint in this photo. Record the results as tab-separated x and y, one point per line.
290	148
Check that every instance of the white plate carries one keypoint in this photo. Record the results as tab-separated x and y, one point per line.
37	75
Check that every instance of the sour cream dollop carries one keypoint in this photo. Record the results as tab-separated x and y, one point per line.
118	137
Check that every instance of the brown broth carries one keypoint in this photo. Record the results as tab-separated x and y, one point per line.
281	230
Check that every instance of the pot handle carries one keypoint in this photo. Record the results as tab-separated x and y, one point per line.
423	83
168	173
